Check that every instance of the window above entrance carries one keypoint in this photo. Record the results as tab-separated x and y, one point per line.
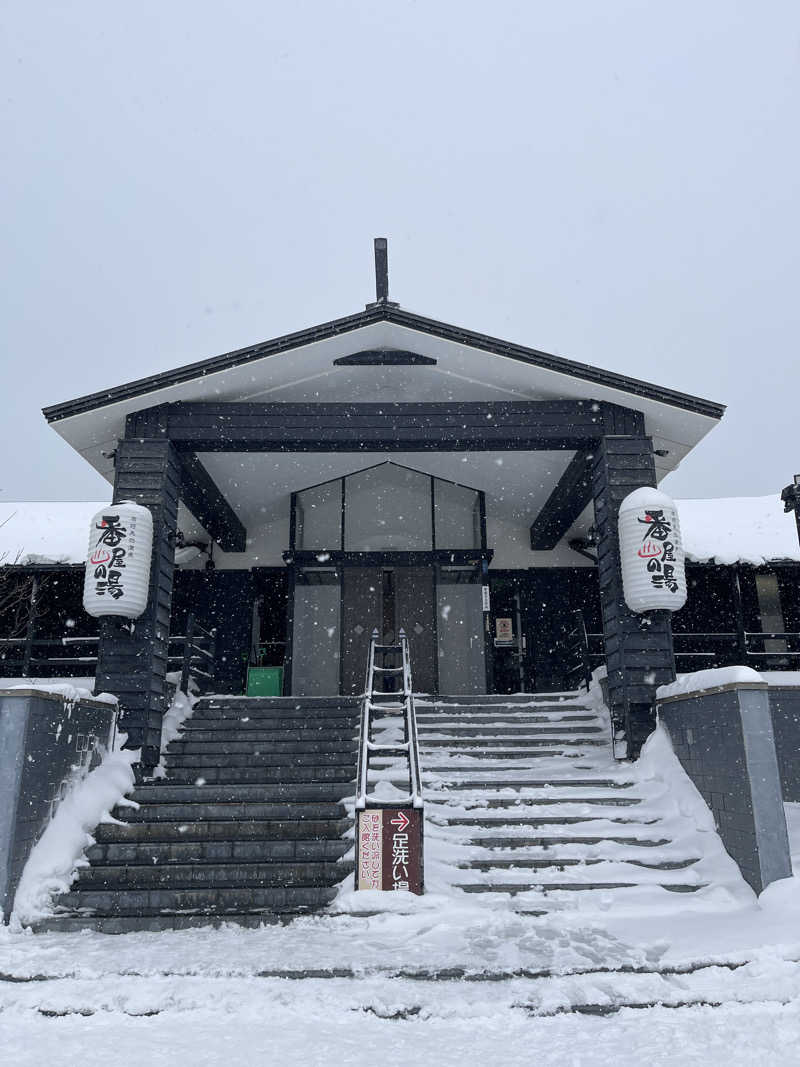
387	508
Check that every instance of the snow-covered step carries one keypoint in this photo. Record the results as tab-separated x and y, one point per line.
478	766
469	746
486	783
559	863
547	841
251	819
493	732
529	803
577	874
532	822
491	743
517	699
500	718
513	757
545	889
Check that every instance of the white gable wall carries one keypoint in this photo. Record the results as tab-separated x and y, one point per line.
307	374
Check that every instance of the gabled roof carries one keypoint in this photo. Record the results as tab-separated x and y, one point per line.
376	313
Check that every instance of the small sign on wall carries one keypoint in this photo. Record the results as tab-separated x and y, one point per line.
486	603
503	631
390	849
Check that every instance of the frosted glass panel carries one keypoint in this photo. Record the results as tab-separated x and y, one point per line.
457	516
317	634
462	653
386	508
319	517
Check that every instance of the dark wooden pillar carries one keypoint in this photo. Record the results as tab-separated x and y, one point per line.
639	650
132	659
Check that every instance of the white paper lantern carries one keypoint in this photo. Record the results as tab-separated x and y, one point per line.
651	549
118	561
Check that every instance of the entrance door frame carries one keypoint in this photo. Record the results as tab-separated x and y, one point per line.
338	560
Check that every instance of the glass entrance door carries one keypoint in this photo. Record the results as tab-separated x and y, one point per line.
462	643
362	613
316	632
387	548
388	599
414	611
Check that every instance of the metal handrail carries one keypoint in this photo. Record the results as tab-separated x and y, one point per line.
410	746
579	646
195	634
732	635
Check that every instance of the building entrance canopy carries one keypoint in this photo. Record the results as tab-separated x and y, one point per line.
384	383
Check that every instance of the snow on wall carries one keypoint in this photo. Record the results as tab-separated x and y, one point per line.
726	530
685	816
699	681
57	855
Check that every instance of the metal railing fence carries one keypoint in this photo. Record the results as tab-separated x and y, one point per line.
193	653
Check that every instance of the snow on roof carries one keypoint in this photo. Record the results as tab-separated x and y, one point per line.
45	531
751	529
747	529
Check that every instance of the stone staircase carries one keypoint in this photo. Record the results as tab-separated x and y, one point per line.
248	822
523	802
523	799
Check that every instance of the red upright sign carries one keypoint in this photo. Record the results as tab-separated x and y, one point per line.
390	849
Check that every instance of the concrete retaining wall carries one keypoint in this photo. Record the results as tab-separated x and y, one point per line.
45	743
725	742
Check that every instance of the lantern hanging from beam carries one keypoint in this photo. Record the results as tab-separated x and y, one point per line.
651	551
118	561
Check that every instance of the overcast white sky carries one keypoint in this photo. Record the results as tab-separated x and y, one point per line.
614	182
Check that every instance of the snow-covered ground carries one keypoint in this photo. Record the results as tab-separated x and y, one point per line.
390	985
713	979
266	1022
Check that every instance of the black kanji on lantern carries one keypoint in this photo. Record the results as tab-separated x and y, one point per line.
111	532
658	527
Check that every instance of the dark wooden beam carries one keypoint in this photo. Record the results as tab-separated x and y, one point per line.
521	425
202	496
573	492
381	269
